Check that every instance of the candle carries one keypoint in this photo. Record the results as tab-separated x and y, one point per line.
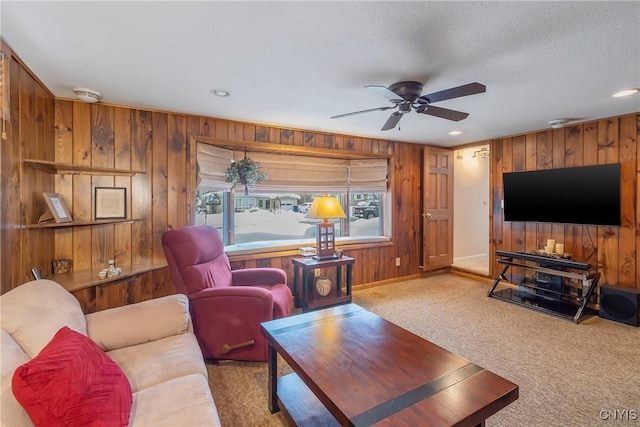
560	248
551	244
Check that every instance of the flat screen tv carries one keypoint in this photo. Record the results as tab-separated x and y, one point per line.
577	195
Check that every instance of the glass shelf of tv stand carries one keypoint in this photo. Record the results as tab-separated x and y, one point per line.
560	287
541	300
571	292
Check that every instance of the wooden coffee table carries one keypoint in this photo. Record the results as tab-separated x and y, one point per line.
354	368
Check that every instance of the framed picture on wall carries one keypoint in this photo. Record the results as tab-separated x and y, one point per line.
110	203
57	208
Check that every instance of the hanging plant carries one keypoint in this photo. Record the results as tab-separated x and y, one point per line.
246	172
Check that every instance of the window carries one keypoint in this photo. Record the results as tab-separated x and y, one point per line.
274	213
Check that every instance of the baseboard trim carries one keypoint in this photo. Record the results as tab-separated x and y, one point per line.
385	282
452	270
470	274
470	257
435	272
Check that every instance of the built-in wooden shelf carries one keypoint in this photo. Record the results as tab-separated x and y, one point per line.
71	169
81	279
79	223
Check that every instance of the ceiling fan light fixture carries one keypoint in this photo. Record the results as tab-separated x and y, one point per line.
625	92
410	98
87	95
404	108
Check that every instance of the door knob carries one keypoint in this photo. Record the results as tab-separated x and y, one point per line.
427	215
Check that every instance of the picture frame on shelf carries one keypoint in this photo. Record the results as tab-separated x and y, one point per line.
58	209
110	203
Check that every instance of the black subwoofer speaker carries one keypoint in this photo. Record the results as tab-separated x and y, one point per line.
620	304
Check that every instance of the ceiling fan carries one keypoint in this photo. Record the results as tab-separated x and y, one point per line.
407	95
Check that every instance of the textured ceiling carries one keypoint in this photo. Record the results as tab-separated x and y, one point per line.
295	64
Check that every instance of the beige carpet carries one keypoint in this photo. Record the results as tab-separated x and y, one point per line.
569	375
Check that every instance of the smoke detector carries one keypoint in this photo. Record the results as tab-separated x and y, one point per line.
87	95
558	123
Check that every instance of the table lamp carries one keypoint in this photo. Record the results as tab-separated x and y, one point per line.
325	207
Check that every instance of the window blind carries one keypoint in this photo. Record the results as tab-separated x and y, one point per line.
292	173
304	174
368	175
212	165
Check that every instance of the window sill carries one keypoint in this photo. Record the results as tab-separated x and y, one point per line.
287	248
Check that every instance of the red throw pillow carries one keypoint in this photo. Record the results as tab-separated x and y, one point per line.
72	382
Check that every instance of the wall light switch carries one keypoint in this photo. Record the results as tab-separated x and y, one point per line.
397	262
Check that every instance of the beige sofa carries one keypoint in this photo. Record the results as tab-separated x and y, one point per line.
152	342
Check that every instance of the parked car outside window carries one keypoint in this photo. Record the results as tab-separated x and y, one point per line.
304	208
366	210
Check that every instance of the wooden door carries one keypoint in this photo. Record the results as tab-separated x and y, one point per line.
437	218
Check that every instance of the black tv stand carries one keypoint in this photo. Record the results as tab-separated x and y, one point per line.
559	286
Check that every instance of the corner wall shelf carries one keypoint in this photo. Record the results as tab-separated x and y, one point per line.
67	168
81	279
81	223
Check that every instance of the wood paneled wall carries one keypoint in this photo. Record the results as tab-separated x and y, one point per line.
44	128
611	140
29	134
66	131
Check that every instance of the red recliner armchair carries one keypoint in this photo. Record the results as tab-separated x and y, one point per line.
227	306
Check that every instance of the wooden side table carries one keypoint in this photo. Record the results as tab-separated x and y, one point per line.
304	291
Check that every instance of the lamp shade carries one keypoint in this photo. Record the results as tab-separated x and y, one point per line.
325	207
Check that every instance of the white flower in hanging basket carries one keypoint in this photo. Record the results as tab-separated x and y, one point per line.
246	172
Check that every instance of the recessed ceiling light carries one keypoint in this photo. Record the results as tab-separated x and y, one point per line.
220	92
625	92
455	132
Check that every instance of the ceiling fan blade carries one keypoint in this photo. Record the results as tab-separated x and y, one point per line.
385	92
363	111
392	121
454	92
443	113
